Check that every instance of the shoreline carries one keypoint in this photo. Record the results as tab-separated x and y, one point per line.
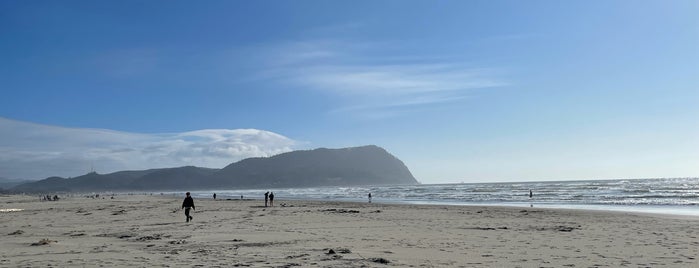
145	230
690	212
673	211
668	210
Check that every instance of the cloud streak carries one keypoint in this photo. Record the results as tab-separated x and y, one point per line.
394	80
365	77
34	151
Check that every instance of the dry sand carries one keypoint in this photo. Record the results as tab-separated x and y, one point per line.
150	231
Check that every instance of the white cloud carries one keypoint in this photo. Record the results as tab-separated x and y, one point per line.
37	151
366	77
394	79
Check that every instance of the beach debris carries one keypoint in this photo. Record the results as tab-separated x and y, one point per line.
202	251
379	260
266	244
487	228
297	256
18	232
559	228
341	210
332	255
119	212
562	228
339	250
148	237
44	242
177	242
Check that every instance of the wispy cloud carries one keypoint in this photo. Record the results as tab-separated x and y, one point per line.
394	80
30	150
367	77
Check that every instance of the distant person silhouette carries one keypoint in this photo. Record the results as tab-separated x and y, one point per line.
271	199
369	197
530	194
266	198
214	196
187	205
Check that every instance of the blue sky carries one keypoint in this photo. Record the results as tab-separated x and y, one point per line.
472	91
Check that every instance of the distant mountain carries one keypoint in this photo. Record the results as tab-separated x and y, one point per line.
173	179
89	182
6	183
366	165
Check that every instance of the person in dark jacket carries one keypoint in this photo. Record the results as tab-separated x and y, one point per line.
188	204
271	199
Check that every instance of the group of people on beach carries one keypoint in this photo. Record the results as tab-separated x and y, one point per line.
49	198
188	203
269	198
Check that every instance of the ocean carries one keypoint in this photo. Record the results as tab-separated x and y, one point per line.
678	196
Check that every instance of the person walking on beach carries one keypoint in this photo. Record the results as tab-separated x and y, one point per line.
271	199
369	197
187	205
266	198
214	196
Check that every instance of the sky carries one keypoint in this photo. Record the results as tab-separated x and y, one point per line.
460	91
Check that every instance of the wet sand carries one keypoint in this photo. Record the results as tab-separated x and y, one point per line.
150	231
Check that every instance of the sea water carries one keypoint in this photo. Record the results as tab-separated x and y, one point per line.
679	196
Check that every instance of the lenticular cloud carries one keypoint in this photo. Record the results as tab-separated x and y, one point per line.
34	151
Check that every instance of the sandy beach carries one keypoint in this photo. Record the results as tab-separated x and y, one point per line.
150	231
